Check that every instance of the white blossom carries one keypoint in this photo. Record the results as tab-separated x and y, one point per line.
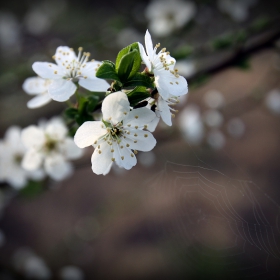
237	9
216	139
69	70
38	87
71	272
166	16
214	99
11	153
119	136
168	82
236	127
191	124
48	146
272	101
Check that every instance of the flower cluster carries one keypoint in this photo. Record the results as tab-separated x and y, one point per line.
131	106
37	151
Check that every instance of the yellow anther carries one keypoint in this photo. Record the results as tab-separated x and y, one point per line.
136	126
127	145
80	49
55	72
132	155
135	135
113	159
99	151
136	117
135	141
122	157
145	135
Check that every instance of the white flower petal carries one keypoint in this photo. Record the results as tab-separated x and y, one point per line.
48	70
149	45
153	124
13	137
102	162
62	90
37	175
39	100
164	111
35	85
139	118
18	179
64	55
33	137
56	130
115	106
144	57
32	160
57	168
94	84
70	149
124	156
89	69
88	133
140	140
168	84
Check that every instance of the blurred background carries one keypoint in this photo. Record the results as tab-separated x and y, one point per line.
205	203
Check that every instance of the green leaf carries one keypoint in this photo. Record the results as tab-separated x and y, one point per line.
137	95
139	80
222	43
129	65
107	70
80	119
32	189
183	52
70	113
124	51
92	103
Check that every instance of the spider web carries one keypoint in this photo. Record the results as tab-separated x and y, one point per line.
216	226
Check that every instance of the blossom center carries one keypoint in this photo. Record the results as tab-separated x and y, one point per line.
50	145
73	67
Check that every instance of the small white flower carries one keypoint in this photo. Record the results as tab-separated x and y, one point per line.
69	70
168	82
39	87
237	9
162	65
11	153
121	137
166	16
49	147
71	272
272	101
191	124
